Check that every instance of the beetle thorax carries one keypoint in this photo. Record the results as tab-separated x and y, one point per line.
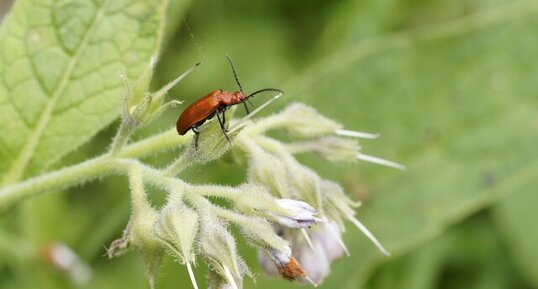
228	98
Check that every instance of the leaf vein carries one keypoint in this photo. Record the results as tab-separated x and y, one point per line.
18	167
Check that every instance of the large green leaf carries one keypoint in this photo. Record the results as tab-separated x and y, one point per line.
355	20
456	103
59	68
469	255
517	216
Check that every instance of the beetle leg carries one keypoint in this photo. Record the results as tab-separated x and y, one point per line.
196	133
221	122
224	119
246	107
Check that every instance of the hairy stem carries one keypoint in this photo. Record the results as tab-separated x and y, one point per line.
89	170
58	180
121	137
160	142
181	163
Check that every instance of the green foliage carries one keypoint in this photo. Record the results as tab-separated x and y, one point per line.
450	85
60	66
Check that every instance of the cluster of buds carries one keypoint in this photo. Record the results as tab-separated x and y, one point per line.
287	211
271	163
140	106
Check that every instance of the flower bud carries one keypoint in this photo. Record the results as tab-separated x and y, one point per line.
139	231
218	282
218	247
305	183
286	265
141	106
177	228
143	239
139	234
302	215
140	87
256	200
305	122
267	169
258	231
158	96
330	148
338	203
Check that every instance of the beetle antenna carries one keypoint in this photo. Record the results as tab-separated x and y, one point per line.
235	73
264	90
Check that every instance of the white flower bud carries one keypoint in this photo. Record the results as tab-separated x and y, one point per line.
256	200
302	215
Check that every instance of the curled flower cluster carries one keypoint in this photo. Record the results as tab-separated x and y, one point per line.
272	164
284	209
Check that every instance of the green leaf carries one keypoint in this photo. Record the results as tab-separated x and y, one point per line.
469	255
516	216
355	20
455	103
59	74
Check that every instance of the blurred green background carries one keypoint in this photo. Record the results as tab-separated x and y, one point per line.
451	85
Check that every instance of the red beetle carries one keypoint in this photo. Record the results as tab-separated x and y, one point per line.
216	102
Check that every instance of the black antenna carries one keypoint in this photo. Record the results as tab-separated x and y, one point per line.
237	80
235	73
264	90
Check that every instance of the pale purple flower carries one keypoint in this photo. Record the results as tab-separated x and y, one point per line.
315	258
326	246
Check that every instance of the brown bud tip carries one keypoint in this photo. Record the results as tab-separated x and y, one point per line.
291	270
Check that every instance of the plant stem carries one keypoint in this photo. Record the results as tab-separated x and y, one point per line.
181	163
88	170
58	180
121	137
160	142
